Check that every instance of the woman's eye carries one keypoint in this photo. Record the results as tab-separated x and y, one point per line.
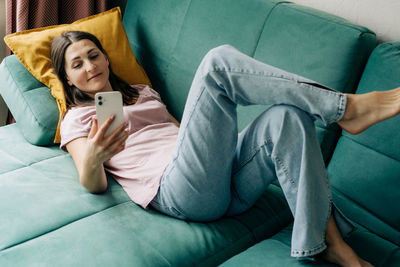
94	56
76	66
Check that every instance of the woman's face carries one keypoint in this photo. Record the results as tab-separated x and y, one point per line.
87	67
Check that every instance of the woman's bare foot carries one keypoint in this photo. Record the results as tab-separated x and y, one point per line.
364	110
338	251
365	263
343	255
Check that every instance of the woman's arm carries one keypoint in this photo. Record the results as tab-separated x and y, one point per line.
89	154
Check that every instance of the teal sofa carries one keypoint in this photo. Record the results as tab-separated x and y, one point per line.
48	219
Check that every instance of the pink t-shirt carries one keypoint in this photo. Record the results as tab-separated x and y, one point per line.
148	149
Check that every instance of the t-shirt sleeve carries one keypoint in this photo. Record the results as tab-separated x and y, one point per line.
146	90
154	94
76	123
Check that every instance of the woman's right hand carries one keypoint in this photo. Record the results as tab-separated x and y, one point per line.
100	147
89	154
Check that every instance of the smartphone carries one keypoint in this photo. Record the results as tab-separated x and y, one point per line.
107	104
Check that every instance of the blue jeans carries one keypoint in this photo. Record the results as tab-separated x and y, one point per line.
216	172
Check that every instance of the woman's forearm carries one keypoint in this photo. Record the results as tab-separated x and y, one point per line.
93	177
89	154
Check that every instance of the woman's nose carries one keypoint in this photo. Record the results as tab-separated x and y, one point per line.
90	66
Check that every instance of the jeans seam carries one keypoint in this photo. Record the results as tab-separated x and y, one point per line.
247	160
309	252
249	72
341	108
252	154
165	208
285	170
270	74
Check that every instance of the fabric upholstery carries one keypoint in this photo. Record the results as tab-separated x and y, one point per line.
274	251
365	168
30	102
46	212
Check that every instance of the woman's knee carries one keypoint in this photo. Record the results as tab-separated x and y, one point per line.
219	51
289	119
216	57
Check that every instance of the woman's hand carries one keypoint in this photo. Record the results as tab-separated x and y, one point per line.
100	147
89	154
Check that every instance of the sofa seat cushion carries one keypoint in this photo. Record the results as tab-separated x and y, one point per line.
49	219
275	251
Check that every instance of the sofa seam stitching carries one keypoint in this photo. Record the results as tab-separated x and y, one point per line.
263	27
370	148
180	30
62	226
32	164
350	25
359	205
250	233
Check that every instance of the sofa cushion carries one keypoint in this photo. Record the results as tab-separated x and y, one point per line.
298	39
32	47
288	36
30	102
365	168
171	38
275	251
49	219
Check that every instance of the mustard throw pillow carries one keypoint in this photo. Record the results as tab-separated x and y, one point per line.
32	47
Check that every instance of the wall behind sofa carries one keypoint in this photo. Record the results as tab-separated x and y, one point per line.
382	17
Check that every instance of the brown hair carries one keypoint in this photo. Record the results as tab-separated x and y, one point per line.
74	95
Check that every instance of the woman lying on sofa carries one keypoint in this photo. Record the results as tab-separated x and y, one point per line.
203	170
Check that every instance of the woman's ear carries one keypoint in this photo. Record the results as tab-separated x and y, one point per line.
68	81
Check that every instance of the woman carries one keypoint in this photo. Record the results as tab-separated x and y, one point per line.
203	170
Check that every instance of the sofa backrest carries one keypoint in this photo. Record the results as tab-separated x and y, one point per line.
365	168
171	37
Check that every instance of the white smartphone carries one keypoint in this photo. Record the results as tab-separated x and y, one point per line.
107	104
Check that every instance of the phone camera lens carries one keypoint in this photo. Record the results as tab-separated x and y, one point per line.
100	103
100	97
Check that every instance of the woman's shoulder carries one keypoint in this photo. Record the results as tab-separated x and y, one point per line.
79	114
145	90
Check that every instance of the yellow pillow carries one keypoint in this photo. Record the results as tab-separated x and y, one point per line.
32	47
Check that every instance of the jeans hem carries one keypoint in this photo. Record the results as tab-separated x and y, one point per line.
342	107
307	253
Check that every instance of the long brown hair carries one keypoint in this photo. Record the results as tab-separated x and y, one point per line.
74	95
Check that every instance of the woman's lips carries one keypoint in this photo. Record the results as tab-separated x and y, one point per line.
94	76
